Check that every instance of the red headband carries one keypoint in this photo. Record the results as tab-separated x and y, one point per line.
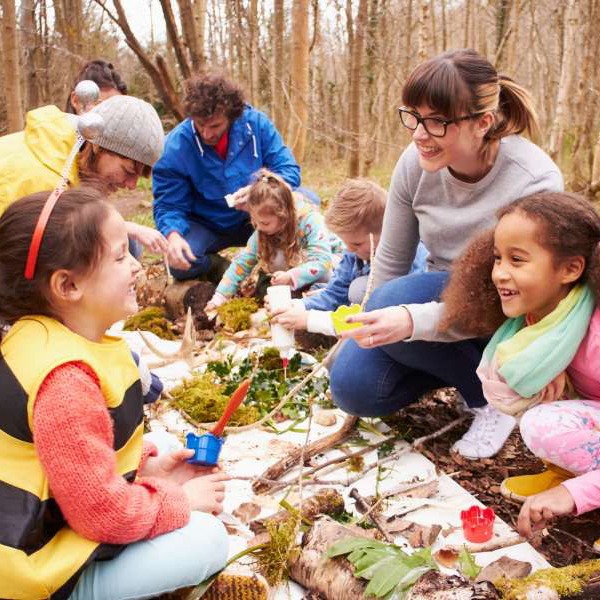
38	232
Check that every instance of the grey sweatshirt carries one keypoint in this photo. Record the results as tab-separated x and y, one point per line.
446	212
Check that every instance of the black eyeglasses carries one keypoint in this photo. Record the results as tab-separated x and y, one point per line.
434	126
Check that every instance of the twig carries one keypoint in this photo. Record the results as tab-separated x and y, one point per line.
427	438
364	507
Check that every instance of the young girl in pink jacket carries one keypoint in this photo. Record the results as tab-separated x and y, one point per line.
543	362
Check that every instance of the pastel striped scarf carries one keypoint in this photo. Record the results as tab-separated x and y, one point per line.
522	362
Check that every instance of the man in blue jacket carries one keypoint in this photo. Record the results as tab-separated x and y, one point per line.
210	155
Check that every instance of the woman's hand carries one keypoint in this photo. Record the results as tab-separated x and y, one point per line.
206	492
291	318
174	467
150	238
179	253
541	508
380	327
281	278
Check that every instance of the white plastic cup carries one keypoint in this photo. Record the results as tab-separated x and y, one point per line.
280	297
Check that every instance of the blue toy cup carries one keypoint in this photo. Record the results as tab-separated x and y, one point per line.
206	447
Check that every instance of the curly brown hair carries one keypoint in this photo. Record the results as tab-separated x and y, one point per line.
272	194
568	226
212	93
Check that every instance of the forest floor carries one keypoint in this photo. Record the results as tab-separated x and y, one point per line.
569	539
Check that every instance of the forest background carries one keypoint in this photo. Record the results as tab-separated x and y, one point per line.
328	72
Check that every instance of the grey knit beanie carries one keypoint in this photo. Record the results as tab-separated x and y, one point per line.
132	128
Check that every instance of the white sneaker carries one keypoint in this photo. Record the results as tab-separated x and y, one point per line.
487	434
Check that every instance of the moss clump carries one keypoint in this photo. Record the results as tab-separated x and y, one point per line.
204	400
235	314
281	550
270	360
566	581
154	319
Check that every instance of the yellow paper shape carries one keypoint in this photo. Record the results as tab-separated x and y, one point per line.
340	315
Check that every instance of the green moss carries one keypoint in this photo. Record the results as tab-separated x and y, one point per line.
154	319
204	400
235	314
281	550
566	581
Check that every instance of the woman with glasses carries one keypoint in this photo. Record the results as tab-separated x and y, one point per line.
467	159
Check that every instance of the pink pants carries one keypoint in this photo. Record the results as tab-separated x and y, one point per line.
565	433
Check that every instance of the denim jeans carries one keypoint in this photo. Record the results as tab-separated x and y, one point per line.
379	381
204	241
171	561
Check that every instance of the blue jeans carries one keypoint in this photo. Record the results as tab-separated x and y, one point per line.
379	381
204	241
171	561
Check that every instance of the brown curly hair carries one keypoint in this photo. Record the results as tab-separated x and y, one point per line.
568	226
212	93
272	194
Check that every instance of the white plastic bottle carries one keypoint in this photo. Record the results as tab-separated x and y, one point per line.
280	297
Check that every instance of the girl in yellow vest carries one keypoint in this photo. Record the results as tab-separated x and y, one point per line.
89	511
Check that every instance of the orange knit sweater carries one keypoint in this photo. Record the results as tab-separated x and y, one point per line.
73	436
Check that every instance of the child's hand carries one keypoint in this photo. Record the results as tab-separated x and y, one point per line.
541	508
380	327
281	278
174	467
149	237
291	318
206	492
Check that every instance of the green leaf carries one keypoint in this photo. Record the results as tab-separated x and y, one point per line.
345	546
467	565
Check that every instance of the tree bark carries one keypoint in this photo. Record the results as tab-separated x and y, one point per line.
355	88
188	26
561	112
29	51
424	18
12	79
200	29
299	79
253	62
277	77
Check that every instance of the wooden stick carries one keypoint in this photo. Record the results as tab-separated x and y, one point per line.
285	464
364	507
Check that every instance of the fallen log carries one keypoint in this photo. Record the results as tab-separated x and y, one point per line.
332	578
291	460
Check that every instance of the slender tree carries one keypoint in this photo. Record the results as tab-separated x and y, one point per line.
12	79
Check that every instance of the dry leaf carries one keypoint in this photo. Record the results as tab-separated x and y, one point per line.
247	511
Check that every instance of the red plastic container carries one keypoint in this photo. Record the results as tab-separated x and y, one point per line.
477	524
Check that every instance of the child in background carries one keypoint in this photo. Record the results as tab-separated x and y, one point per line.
81	490
545	277
290	241
356	213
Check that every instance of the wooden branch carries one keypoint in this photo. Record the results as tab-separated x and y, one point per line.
285	464
168	88
364	507
175	39
427	438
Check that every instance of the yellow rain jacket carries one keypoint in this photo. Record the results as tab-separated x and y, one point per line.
32	160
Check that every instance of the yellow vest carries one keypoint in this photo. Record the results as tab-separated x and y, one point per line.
40	555
32	160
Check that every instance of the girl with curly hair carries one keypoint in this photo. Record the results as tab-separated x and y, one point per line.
542	361
290	241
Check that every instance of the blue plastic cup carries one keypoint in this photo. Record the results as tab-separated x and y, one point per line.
206	447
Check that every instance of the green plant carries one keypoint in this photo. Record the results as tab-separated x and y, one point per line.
151	318
235	314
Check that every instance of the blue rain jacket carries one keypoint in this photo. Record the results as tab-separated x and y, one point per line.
190	180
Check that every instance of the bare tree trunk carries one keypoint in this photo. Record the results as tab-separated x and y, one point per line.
29	51
253	62
444	27
355	87
433	27
424	18
175	39
200	29
188	26
12	79
299	80
277	74
467	29
566	78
